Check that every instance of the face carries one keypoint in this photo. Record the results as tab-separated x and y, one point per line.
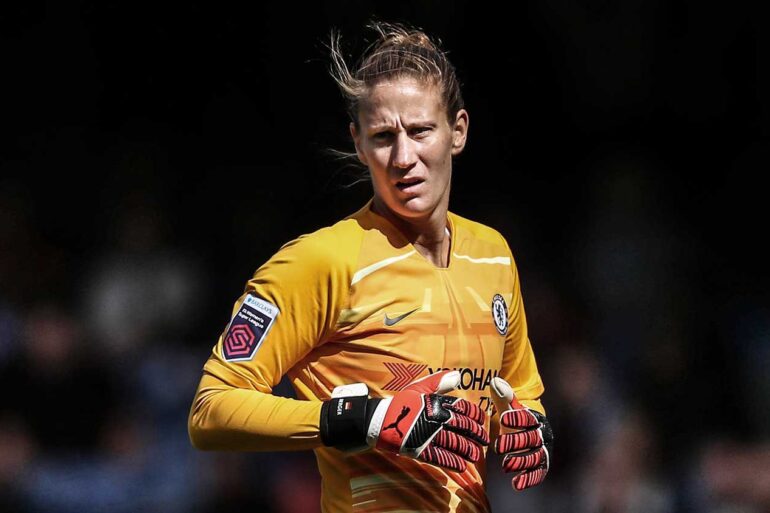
406	141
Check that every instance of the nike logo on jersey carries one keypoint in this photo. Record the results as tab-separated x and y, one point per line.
391	321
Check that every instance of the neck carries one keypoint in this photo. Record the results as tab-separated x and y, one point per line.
429	235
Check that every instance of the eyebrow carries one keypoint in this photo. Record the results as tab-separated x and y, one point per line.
411	124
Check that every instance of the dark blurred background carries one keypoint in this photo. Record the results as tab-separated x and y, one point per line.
154	154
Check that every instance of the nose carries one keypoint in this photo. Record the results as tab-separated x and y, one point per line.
404	154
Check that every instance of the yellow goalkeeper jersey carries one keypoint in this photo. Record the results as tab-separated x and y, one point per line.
356	302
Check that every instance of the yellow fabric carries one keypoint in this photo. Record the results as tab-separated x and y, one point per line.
334	289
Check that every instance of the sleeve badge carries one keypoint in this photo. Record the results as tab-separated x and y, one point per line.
248	329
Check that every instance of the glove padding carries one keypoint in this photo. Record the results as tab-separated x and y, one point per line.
418	421
421	423
525	438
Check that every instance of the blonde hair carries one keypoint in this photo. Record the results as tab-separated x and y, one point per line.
398	51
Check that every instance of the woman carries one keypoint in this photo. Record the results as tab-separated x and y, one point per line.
379	317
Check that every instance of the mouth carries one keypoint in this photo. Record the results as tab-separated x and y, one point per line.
409	184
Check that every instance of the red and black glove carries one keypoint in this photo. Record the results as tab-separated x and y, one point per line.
525	438
418	421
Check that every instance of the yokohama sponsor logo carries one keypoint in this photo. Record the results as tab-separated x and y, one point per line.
471	379
403	374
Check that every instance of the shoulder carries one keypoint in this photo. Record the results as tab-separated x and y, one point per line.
334	246
481	243
329	239
479	231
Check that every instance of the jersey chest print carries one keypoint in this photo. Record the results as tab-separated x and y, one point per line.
248	329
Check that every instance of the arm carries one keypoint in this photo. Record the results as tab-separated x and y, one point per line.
288	309
224	417
519	367
525	436
441	430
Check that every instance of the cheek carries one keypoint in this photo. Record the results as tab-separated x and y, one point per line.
441	160
378	177
379	157
378	164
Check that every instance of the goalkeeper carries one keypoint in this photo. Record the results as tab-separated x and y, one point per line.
399	327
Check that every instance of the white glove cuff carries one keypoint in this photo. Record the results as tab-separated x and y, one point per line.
373	433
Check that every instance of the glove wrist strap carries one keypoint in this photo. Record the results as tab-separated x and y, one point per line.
345	418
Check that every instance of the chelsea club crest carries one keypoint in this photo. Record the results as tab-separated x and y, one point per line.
500	314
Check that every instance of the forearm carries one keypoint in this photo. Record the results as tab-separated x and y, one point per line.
227	418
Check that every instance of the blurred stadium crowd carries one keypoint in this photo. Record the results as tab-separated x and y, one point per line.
633	218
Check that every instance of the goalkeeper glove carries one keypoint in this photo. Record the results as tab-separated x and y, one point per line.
418	422
525	438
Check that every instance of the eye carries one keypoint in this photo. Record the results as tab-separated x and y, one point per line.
419	131
382	136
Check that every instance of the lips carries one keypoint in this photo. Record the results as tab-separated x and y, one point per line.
409	184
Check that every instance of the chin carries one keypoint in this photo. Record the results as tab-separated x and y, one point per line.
415	208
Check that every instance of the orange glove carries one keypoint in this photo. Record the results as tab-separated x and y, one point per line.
417	421
525	438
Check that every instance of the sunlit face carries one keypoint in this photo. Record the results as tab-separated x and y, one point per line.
407	143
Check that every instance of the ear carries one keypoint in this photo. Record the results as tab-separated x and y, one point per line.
459	132
357	141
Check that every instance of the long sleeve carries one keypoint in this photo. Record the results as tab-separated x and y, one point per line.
288	309
228	418
519	367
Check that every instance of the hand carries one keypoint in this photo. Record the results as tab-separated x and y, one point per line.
418	422
525	438
421	423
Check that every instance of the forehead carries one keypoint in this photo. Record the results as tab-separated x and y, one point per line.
401	100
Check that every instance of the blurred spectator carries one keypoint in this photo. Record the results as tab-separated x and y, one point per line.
9	333
55	386
621	477
142	289
17	449
748	337
30	266
132	472
731	477
627	259
157	382
293	468
238	482
585	406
